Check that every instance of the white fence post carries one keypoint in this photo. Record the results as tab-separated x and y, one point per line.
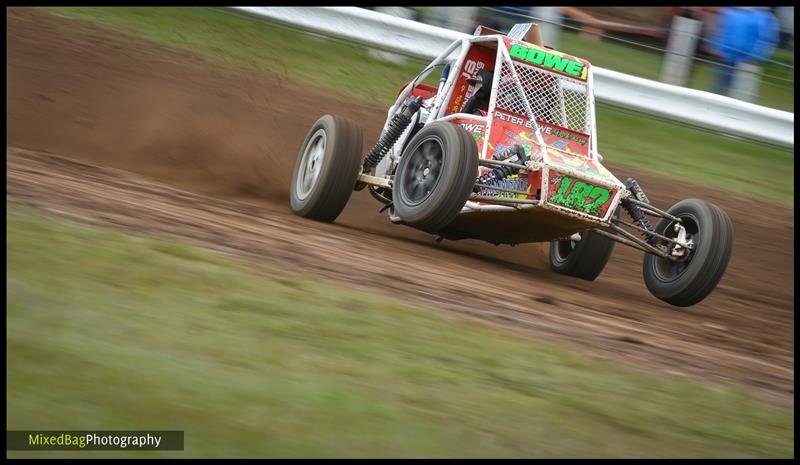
745	82
677	63
550	24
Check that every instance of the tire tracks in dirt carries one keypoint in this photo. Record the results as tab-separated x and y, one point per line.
107	196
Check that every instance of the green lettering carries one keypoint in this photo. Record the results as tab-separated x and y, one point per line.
518	51
582	196
536	56
556	62
600	195
548	60
574	69
577	196
566	181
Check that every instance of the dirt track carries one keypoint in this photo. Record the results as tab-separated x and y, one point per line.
207	154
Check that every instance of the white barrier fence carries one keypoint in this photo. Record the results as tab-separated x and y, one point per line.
690	106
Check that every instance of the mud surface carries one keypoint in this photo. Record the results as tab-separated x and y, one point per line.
112	129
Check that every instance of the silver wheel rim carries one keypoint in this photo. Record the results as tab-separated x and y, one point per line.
311	164
671	270
422	171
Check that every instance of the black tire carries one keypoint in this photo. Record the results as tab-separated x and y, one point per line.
584	259
690	280
435	176
321	191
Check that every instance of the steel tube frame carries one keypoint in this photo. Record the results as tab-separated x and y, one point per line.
639	241
657	211
652	233
635	245
490	199
496	163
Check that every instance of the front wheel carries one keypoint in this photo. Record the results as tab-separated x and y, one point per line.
689	279
327	168
435	176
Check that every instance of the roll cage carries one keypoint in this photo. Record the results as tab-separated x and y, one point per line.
569	106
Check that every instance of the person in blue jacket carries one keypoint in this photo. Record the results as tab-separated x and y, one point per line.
747	34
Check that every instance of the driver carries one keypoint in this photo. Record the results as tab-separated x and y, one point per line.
478	104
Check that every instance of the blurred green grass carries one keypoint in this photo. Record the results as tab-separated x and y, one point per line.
114	331
638	140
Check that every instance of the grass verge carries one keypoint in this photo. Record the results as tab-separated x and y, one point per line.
634	139
112	331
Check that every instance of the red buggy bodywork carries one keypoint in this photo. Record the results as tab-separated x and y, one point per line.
569	187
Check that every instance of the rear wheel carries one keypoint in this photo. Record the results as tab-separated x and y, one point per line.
327	168
583	259
689	279
435	176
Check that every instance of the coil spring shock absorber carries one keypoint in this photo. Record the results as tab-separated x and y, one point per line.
635	212
397	125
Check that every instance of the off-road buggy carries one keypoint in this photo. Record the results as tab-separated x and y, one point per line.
505	150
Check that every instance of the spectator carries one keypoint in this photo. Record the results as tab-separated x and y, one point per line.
742	34
768	35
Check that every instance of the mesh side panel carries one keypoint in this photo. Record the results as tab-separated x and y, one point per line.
557	99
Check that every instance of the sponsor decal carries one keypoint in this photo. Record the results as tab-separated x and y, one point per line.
471	68
476	130
544	127
564	134
512	119
456	107
471	127
578	195
550	60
